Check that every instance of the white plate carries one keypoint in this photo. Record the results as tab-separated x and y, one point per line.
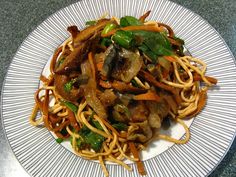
212	131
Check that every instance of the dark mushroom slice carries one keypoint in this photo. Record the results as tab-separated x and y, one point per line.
74	59
90	31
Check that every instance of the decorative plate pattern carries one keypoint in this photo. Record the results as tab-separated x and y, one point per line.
212	131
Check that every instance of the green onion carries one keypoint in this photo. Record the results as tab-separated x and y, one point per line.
134	83
124	39
120	126
92	22
129	21
71	106
59	140
108	28
68	86
60	61
106	42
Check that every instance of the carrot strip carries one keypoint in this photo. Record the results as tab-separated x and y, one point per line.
197	77
99	66
153	81
147	96
91	62
104	84
54	59
139	163
144	16
123	87
170	58
153	28
45	111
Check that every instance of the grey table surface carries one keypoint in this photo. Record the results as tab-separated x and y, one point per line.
19	17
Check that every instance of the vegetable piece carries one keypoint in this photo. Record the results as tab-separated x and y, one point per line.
70	105
124	39
169	58
153	44
90	32
108	28
60	81
139	163
106	41
144	16
74	59
108	97
94	140
197	77
123	87
138	111
90	138
121	113
73	121
92	65
94	102
148	52
164	62
89	23
153	81
109	62
68	86
90	92
60	61
156	42
74	31
120	126
127	66
80	143
59	140
152	28
134	83
80	80
105	84
153	70
171	32
129	21
151	96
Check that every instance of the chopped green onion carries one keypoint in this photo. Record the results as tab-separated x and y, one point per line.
106	41
129	21
60	61
124	39
59	140
108	28
71	106
134	83
92	22
68	86
120	126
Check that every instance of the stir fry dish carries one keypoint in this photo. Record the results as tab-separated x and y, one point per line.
115	83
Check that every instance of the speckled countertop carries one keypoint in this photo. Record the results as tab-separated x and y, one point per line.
19	17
